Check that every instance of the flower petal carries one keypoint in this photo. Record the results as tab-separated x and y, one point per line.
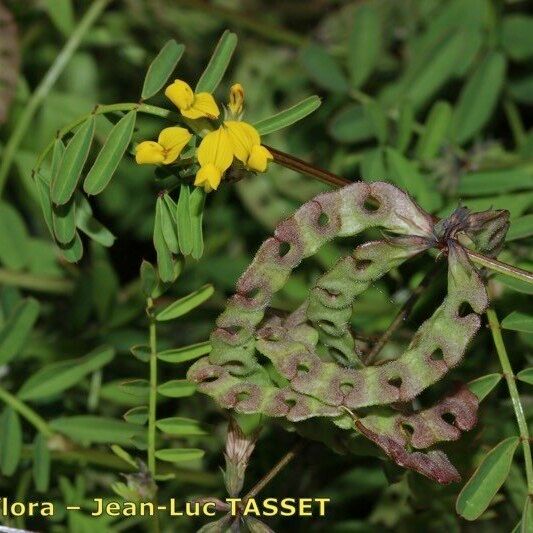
208	177
180	94
205	104
217	149
149	153
243	137
173	140
258	159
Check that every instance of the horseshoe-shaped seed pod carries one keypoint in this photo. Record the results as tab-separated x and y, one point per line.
312	350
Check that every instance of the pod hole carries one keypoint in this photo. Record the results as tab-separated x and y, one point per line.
371	204
408	428
449	418
323	219
291	402
395	382
346	388
284	248
302	368
243	395
362	264
437	355
465	309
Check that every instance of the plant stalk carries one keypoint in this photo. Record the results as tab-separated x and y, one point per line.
152	404
44	87
495	329
28	413
29	281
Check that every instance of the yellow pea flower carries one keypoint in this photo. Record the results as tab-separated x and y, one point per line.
166	150
236	100
191	105
215	155
247	147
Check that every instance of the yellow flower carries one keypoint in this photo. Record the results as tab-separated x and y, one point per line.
215	155
166	150
191	105
247	146
236	99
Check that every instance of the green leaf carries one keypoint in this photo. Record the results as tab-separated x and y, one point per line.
177	388
186	304
517	321
61	14
149	278
436	130
54	378
43	193
515	284
494	182
165	261
138	388
405	125
57	155
110	155
13	238
479	97
65	181
41	463
516	36
89	225
218	63
351	124
64	221
364	44
137	415
520	228
196	207
17	328
408	177
526	522
169	225
10	441
72	251
96	429
526	376
323	69
124	455
185	353
141	352
161	68
183	219
181	427
179	455
378	120
288	116
481	488
482	386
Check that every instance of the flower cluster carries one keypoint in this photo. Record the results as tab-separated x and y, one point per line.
229	139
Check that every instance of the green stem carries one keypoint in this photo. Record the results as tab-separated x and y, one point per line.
502	268
102	110
513	392
152	412
27	412
515	122
26	280
45	86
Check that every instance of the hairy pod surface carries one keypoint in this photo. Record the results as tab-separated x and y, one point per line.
306	365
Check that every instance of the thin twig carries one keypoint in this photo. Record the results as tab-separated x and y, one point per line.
274	471
403	313
289	161
36	282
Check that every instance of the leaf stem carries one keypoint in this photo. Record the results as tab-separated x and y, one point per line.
494	325
45	86
28	413
102	110
152	406
289	161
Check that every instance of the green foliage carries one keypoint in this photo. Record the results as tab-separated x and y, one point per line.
432	96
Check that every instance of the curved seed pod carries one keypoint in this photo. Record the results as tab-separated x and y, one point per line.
313	369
